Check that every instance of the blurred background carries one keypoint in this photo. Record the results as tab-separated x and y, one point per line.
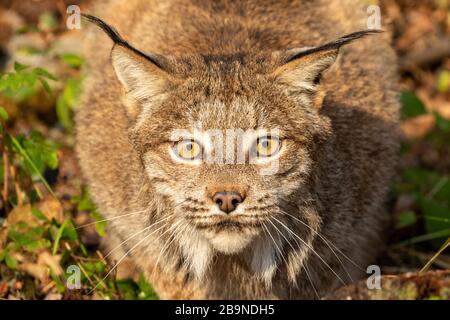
47	221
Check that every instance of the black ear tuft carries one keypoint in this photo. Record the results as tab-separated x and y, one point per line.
334	45
118	40
109	30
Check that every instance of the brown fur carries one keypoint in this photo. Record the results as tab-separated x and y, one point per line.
224	65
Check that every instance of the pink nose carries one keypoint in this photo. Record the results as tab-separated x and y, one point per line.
227	201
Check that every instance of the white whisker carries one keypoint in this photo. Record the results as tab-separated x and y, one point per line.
296	253
136	234
126	254
274	242
310	248
310	281
329	244
168	243
109	219
121	216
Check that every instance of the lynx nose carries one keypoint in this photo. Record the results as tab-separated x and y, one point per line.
227	201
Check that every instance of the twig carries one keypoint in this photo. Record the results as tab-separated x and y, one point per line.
16	185
5	179
433	259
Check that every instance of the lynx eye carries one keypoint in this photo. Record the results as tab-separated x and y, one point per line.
187	149
267	146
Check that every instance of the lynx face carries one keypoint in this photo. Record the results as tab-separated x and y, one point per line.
229	144
226	165
228	148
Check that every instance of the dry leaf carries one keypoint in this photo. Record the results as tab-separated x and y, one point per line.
40	269
53	296
21	213
417	127
51	208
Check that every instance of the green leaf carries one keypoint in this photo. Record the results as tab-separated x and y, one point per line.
67	102
100	226
40	72
23	83
37	245
4	114
60	287
18	67
418	177
38	214
45	85
64	113
21	239
443	82
146	290
37	153
431	207
71	59
83	201
69	232
406	219
441	122
127	289
10	262
12	246
2	255
412	106
36	232
100	267
47	22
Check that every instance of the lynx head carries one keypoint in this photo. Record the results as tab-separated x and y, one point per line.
230	144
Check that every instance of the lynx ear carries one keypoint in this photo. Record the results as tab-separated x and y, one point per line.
143	76
301	69
143	79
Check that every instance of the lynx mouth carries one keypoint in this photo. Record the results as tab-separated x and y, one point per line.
228	235
228	225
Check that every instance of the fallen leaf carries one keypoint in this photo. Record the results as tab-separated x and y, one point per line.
41	268
51	208
21	213
417	127
53	296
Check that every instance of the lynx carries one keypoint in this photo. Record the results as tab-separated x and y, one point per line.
239	149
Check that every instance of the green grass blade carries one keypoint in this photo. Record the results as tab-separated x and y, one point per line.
433	258
424	238
24	154
58	236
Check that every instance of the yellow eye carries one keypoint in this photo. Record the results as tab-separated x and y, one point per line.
188	149
267	146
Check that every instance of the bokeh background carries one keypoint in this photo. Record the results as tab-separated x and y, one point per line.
47	221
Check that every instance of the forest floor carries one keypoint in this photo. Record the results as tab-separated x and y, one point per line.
48	223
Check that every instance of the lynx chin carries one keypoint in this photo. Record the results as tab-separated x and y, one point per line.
312	93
